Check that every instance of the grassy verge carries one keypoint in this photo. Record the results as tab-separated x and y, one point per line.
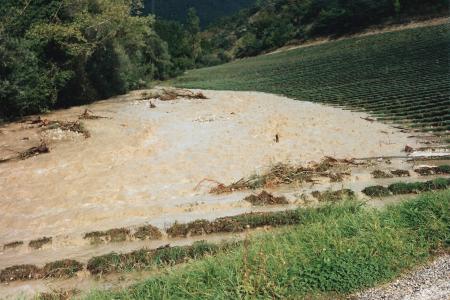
336	249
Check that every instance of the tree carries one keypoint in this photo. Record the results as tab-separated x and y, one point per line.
193	30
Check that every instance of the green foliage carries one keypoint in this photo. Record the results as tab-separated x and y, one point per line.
60	53
209	11
273	23
337	249
382	74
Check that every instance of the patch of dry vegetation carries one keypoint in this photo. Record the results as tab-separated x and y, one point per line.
38	243
12	245
264	198
148	232
171	94
333	196
237	223
111	235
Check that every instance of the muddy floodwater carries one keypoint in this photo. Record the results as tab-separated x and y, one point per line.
143	165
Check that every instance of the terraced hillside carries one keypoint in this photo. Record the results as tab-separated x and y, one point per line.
400	77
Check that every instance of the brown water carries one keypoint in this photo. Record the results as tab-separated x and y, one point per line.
142	165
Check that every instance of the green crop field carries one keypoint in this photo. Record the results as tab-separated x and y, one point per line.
400	77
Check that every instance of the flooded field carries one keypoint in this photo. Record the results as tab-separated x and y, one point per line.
149	161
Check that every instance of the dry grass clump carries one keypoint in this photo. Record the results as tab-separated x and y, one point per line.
381	174
145	258
62	268
432	170
401	173
22	272
112	235
38	243
58	269
264	198
282	173
148	232
12	245
333	196
237	223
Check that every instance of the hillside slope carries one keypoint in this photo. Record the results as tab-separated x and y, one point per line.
209	11
397	76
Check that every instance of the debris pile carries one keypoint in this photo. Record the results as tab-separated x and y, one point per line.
264	198
166	94
89	115
74	126
33	151
282	173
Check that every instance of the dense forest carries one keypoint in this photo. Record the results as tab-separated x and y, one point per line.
209	11
270	24
59	53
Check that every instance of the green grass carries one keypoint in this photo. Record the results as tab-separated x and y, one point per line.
337	249
401	188
401	76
